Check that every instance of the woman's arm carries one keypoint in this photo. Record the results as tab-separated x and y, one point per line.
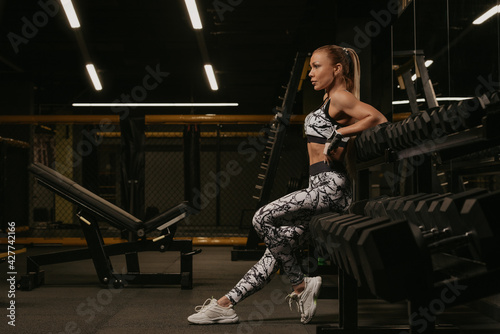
365	115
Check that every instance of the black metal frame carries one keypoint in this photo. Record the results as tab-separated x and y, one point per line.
272	155
100	255
348	314
91	208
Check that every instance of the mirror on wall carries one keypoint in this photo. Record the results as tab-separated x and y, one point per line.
462	56
459	41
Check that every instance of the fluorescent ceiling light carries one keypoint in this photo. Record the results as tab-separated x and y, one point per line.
487	15
211	77
193	14
155	104
70	13
438	99
93	76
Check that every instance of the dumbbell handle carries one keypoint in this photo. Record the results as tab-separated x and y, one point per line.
435	234
449	243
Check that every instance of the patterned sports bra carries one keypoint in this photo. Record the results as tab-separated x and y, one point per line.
319	126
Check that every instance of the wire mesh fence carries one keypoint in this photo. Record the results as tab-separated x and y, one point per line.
230	157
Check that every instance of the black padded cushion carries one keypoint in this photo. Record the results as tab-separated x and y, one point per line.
84	198
173	215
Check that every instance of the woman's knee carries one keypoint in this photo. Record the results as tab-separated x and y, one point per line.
257	221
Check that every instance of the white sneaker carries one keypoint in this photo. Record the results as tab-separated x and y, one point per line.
212	313
306	300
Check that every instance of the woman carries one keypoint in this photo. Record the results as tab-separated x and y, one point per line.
284	223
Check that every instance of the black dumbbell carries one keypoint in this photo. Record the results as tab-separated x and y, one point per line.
407	205
369	208
450	224
358	207
332	241
409	135
368	144
439	219
319	226
481	215
338	235
401	139
322	226
438	126
393	262
407	210
424	125
395	206
383	248
450	119
449	210
472	111
434	213
391	135
493	97
361	150
349	243
421	215
381	205
378	136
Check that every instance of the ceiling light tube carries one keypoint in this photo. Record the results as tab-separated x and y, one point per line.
211	77
481	19
155	104
70	13
93	76
437	99
193	14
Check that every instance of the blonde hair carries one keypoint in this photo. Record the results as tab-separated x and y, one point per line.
349	60
351	71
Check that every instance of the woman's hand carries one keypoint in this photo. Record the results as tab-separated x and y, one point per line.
328	159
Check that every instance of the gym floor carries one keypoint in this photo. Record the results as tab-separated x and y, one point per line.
73	301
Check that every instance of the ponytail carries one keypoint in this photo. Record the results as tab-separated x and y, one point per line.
354	72
353	77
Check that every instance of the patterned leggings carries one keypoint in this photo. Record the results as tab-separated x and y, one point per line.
284	224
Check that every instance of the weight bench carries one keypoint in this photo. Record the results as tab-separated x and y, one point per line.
91	208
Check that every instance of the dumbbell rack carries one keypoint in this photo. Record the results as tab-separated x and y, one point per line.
437	134
272	154
348	314
377	232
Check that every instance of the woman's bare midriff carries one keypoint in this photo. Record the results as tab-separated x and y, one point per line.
315	151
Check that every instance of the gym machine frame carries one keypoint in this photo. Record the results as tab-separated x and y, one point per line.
272	154
91	208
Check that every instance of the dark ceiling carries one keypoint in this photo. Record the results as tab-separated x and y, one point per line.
251	45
